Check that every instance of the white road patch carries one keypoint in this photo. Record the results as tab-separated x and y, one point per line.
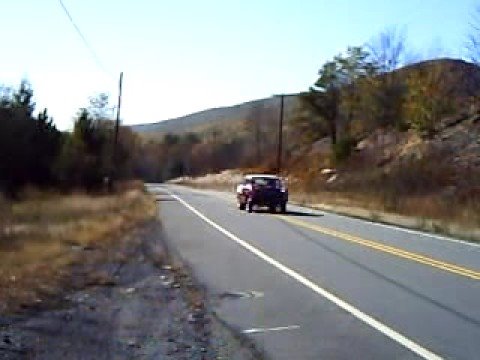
256	294
272	329
242	294
367	319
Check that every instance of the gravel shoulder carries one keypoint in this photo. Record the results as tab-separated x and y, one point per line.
130	300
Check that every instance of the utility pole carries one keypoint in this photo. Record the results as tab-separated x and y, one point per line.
115	138
280	137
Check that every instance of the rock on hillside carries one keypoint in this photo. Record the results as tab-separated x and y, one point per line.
458	144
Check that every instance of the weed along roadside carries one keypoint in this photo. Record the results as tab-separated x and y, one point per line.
100	281
440	225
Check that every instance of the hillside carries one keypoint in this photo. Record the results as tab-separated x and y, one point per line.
461	78
222	116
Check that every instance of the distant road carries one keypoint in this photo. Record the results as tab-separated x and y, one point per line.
314	285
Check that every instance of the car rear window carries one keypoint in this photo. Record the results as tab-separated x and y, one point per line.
267	182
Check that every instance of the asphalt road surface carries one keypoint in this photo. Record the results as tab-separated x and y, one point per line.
314	285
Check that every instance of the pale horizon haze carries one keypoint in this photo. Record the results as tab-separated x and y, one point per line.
186	56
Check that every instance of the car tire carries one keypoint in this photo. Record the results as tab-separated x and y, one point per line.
283	208
242	206
250	206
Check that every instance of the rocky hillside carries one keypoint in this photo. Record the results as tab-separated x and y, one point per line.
461	78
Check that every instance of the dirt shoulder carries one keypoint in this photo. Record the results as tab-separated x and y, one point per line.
44	234
130	299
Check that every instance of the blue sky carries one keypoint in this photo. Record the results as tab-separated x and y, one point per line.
184	56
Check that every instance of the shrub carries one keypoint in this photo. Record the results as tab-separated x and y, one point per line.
343	148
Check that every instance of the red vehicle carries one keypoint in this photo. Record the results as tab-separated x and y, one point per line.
258	190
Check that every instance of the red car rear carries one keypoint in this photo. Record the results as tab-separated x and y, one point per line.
262	190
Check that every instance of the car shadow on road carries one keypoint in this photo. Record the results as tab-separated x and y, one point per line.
290	213
301	213
164	198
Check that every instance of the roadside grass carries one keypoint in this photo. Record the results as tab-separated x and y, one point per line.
428	193
43	234
428	212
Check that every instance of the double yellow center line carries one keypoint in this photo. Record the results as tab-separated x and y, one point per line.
452	268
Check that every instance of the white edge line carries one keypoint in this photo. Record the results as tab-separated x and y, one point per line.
264	330
367	319
422	233
396	227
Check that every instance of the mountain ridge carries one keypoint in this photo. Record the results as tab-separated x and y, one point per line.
463	79
216	115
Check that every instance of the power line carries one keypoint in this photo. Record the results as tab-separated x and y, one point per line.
84	39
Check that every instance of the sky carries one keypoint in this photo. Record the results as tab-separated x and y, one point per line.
184	56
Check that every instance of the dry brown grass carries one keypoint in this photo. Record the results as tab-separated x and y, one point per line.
427	212
430	188
41	235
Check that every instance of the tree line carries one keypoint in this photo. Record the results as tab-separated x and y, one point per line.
34	152
248	143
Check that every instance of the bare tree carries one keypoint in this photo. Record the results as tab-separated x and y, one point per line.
388	50
473	38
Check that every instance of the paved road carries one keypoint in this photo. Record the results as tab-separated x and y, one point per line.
314	285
